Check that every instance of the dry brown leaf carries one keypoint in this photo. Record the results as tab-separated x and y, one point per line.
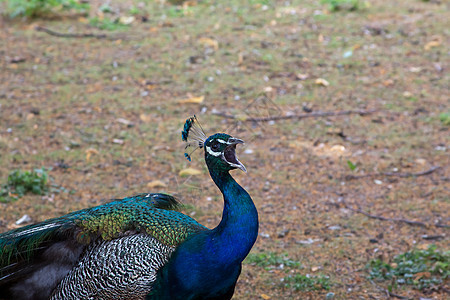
240	58
186	4
145	118
90	152
265	297
189	172
209	43
126	20
156	184
322	82
320	38
437	41
196	100
423	246
407	94
421	161
83	20
420	275
388	82
302	76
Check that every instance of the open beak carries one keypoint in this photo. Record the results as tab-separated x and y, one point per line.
229	155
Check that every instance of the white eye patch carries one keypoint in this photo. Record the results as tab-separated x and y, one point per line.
216	154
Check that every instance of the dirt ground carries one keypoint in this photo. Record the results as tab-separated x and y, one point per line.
103	114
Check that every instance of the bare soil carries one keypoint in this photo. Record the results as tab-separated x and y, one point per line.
104	114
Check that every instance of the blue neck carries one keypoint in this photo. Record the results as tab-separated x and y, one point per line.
238	229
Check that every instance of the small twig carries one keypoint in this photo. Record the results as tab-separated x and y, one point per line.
398	220
402	175
387	292
433	237
390	294
73	35
299	116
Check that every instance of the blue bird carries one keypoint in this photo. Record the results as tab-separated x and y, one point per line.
138	247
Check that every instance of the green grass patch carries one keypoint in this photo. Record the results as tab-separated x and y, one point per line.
107	24
337	5
422	269
301	282
351	165
445	118
271	260
37	8
21	182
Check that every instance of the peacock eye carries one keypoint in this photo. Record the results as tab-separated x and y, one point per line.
215	146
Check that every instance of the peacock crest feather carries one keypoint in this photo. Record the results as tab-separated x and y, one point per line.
193	135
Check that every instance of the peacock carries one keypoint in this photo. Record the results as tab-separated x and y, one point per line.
139	247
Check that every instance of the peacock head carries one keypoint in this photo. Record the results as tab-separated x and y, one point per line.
220	148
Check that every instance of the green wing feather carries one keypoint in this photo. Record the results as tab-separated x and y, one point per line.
150	213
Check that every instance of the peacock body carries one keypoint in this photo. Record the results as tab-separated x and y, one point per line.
138	247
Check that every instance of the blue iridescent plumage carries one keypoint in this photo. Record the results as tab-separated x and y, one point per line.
138	247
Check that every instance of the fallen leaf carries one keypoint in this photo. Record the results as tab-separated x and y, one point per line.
145	118
186	4
420	275
322	82
337	149
126	20
90	152
156	184
196	100
189	172
407	94
240	58
302	76
388	82
265	297
83	20
320	38
209	42
437	41
421	161
423	246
